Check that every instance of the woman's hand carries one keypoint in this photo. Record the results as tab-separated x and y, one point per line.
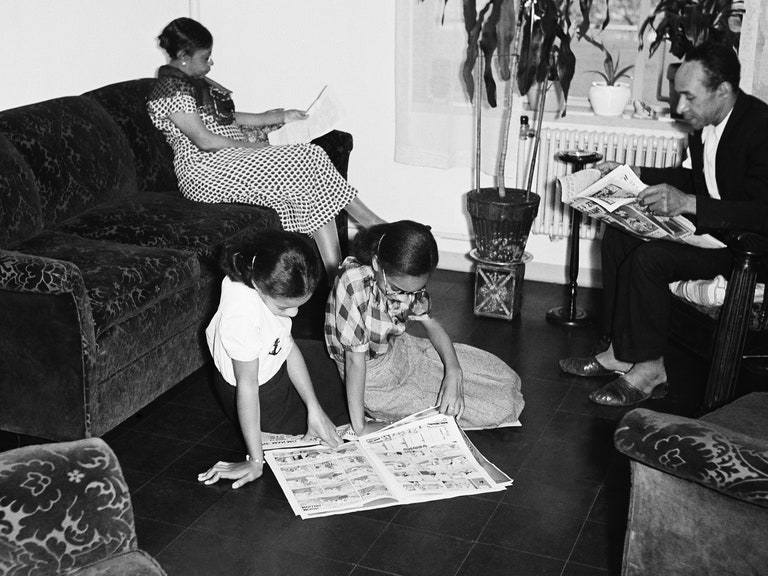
450	400
291	115
318	424
241	472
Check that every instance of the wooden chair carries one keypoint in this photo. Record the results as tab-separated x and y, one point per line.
722	333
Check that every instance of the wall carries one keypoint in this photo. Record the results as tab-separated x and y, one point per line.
271	53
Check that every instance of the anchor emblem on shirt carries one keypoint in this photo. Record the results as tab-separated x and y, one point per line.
275	348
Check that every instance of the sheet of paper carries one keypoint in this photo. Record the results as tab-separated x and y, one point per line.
324	114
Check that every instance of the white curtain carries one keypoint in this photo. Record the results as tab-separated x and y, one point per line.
434	121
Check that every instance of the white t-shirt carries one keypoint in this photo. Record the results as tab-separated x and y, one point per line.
244	329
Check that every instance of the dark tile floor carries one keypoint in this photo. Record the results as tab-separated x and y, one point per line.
565	514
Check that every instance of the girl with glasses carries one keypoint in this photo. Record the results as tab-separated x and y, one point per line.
390	374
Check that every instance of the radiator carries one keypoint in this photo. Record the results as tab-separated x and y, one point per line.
554	218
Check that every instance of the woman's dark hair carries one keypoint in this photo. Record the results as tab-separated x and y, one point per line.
720	63
404	248
184	36
280	264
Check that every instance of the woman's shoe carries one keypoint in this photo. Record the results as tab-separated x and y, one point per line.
587	366
620	392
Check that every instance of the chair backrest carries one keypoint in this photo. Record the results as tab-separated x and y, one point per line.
63	506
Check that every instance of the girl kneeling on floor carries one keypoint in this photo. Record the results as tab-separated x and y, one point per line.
389	373
262	379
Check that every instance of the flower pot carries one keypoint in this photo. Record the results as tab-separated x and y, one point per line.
609	100
553	105
501	225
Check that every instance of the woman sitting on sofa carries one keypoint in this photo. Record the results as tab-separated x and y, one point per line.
215	161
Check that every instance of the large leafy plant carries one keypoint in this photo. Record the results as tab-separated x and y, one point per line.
544	43
688	23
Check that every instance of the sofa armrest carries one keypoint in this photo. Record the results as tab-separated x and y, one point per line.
62	507
723	460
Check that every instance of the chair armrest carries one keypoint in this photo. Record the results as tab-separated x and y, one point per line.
62	507
748	243
21	272
723	460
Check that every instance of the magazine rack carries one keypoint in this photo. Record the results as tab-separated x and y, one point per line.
571	315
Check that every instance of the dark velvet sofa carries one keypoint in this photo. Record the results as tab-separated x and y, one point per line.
108	275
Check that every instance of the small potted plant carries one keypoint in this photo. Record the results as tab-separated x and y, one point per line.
609	97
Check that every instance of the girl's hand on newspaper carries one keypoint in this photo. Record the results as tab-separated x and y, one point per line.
241	472
666	200
451	397
320	426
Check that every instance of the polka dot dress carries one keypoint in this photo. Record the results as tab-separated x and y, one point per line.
298	181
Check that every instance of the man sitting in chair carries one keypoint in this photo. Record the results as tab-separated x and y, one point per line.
722	185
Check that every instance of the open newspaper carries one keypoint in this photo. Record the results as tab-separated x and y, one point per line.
613	199
324	114
423	457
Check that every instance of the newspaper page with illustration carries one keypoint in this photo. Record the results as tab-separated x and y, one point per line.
613	199
323	115
420	458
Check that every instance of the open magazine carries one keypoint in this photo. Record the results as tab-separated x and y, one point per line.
613	199
423	457
324	114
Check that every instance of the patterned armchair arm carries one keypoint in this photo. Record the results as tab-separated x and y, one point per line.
728	462
62	507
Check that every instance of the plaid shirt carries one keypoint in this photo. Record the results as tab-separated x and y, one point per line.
357	316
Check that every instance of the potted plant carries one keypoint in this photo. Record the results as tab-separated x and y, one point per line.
684	24
532	40
609	97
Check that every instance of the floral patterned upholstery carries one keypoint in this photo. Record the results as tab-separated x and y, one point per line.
126	103
167	220
20	213
77	153
717	457
120	279
65	509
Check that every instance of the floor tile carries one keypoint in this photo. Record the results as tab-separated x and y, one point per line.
583	460
574	569
242	512
147	452
329	537
599	545
463	517
196	553
539	531
174	501
410	552
558	494
487	560
153	536
180	421
283	563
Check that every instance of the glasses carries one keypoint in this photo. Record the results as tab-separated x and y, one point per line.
418	301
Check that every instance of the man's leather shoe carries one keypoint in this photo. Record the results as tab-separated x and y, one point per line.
585	366
620	392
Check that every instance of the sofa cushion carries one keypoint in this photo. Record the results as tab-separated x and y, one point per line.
126	102
78	154
20	213
120	279
171	221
